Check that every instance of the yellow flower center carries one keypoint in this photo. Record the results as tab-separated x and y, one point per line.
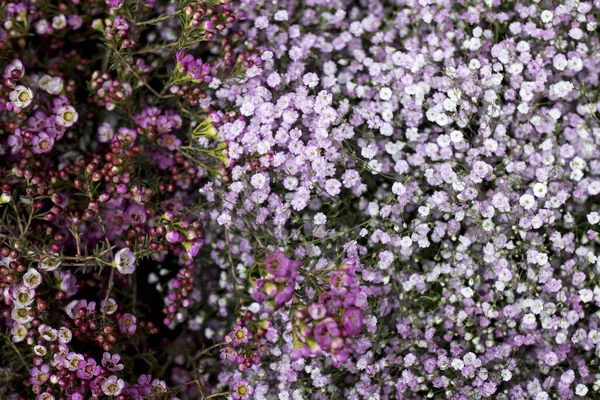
23	297
68	116
242	390
239	334
24	96
44	145
42	377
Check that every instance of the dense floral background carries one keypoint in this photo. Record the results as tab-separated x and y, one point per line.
317	199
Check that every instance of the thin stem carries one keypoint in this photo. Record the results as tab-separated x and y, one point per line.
208	349
217	395
10	342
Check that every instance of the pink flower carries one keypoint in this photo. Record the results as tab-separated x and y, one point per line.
352	320
42	143
112	386
242	390
127	323
39	376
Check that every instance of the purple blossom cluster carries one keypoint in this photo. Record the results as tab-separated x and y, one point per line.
300	200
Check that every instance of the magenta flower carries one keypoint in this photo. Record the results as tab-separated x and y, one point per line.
325	332
352	321
284	295
278	264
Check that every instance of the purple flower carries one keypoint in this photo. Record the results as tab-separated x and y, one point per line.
284	295
136	214
352	321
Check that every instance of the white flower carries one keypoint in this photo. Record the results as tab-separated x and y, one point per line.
540	190
320	219
224	219
260	181
32	278
281	15
561	89
506	375
66	116
546	16
51	85
49	262
542	396
467	292
457	364
59	21
527	201
456	136
18	332
261	22
311	79
581	390
593	218
21	96
586	295
398	188
385	93
125	261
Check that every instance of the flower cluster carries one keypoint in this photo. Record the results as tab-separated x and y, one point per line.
301	199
